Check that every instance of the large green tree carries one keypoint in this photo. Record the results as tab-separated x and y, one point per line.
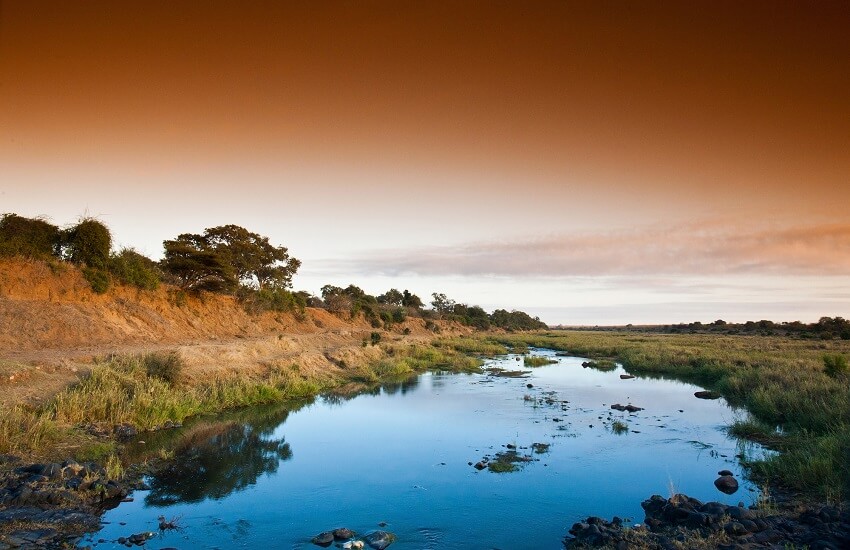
255	261
197	265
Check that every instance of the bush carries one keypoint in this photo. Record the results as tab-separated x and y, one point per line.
835	365
278	299
87	243
165	366
28	237
97	278
132	268
375	338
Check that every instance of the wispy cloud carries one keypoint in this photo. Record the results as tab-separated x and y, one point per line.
704	250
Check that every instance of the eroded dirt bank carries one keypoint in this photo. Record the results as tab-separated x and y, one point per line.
52	326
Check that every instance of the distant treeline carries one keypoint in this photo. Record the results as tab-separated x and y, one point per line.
228	259
826	328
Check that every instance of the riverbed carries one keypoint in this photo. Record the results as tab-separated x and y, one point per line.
402	458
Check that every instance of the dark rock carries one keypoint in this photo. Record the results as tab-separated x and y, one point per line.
725	473
343	533
529	386
379	539
323	539
124	431
480	465
626	376
706	394
734	529
738	513
726	484
626	408
140	538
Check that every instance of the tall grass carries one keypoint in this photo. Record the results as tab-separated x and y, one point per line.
784	383
147	391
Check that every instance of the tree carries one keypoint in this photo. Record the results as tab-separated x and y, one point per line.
442	304
411	300
392	297
197	265
254	260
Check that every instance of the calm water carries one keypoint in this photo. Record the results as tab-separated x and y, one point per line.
275	477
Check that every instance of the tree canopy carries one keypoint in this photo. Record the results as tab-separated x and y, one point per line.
224	257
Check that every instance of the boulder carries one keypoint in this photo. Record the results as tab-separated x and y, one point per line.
379	539
343	533
725	473
726	484
323	539
706	394
626	376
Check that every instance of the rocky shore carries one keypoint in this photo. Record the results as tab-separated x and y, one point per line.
685	522
51	505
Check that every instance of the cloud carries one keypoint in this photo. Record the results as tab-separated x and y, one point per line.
704	250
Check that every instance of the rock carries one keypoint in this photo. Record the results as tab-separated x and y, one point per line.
343	533
626	376
726	484
725	473
379	539
626	408
323	539
735	529
124	431
529	386
480	465
706	394
52	471
140	538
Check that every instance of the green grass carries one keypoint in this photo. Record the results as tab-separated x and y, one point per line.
481	346
619	427
784	383
537	361
603	365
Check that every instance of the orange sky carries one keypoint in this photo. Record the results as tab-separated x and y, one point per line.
367	136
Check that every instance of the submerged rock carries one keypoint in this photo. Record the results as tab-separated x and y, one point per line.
343	533
323	539
726	484
626	376
626	408
707	394
379	539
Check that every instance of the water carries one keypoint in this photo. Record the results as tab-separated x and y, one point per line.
275	477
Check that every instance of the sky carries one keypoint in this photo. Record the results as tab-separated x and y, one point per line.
587	162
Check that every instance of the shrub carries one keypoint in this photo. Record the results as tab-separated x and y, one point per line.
97	278
87	243
132	268
165	366
835	365
267	299
27	237
375	337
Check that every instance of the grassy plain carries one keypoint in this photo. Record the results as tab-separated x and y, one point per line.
798	405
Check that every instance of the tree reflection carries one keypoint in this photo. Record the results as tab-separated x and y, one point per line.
213	460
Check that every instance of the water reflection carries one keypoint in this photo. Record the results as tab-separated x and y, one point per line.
215	459
403	386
